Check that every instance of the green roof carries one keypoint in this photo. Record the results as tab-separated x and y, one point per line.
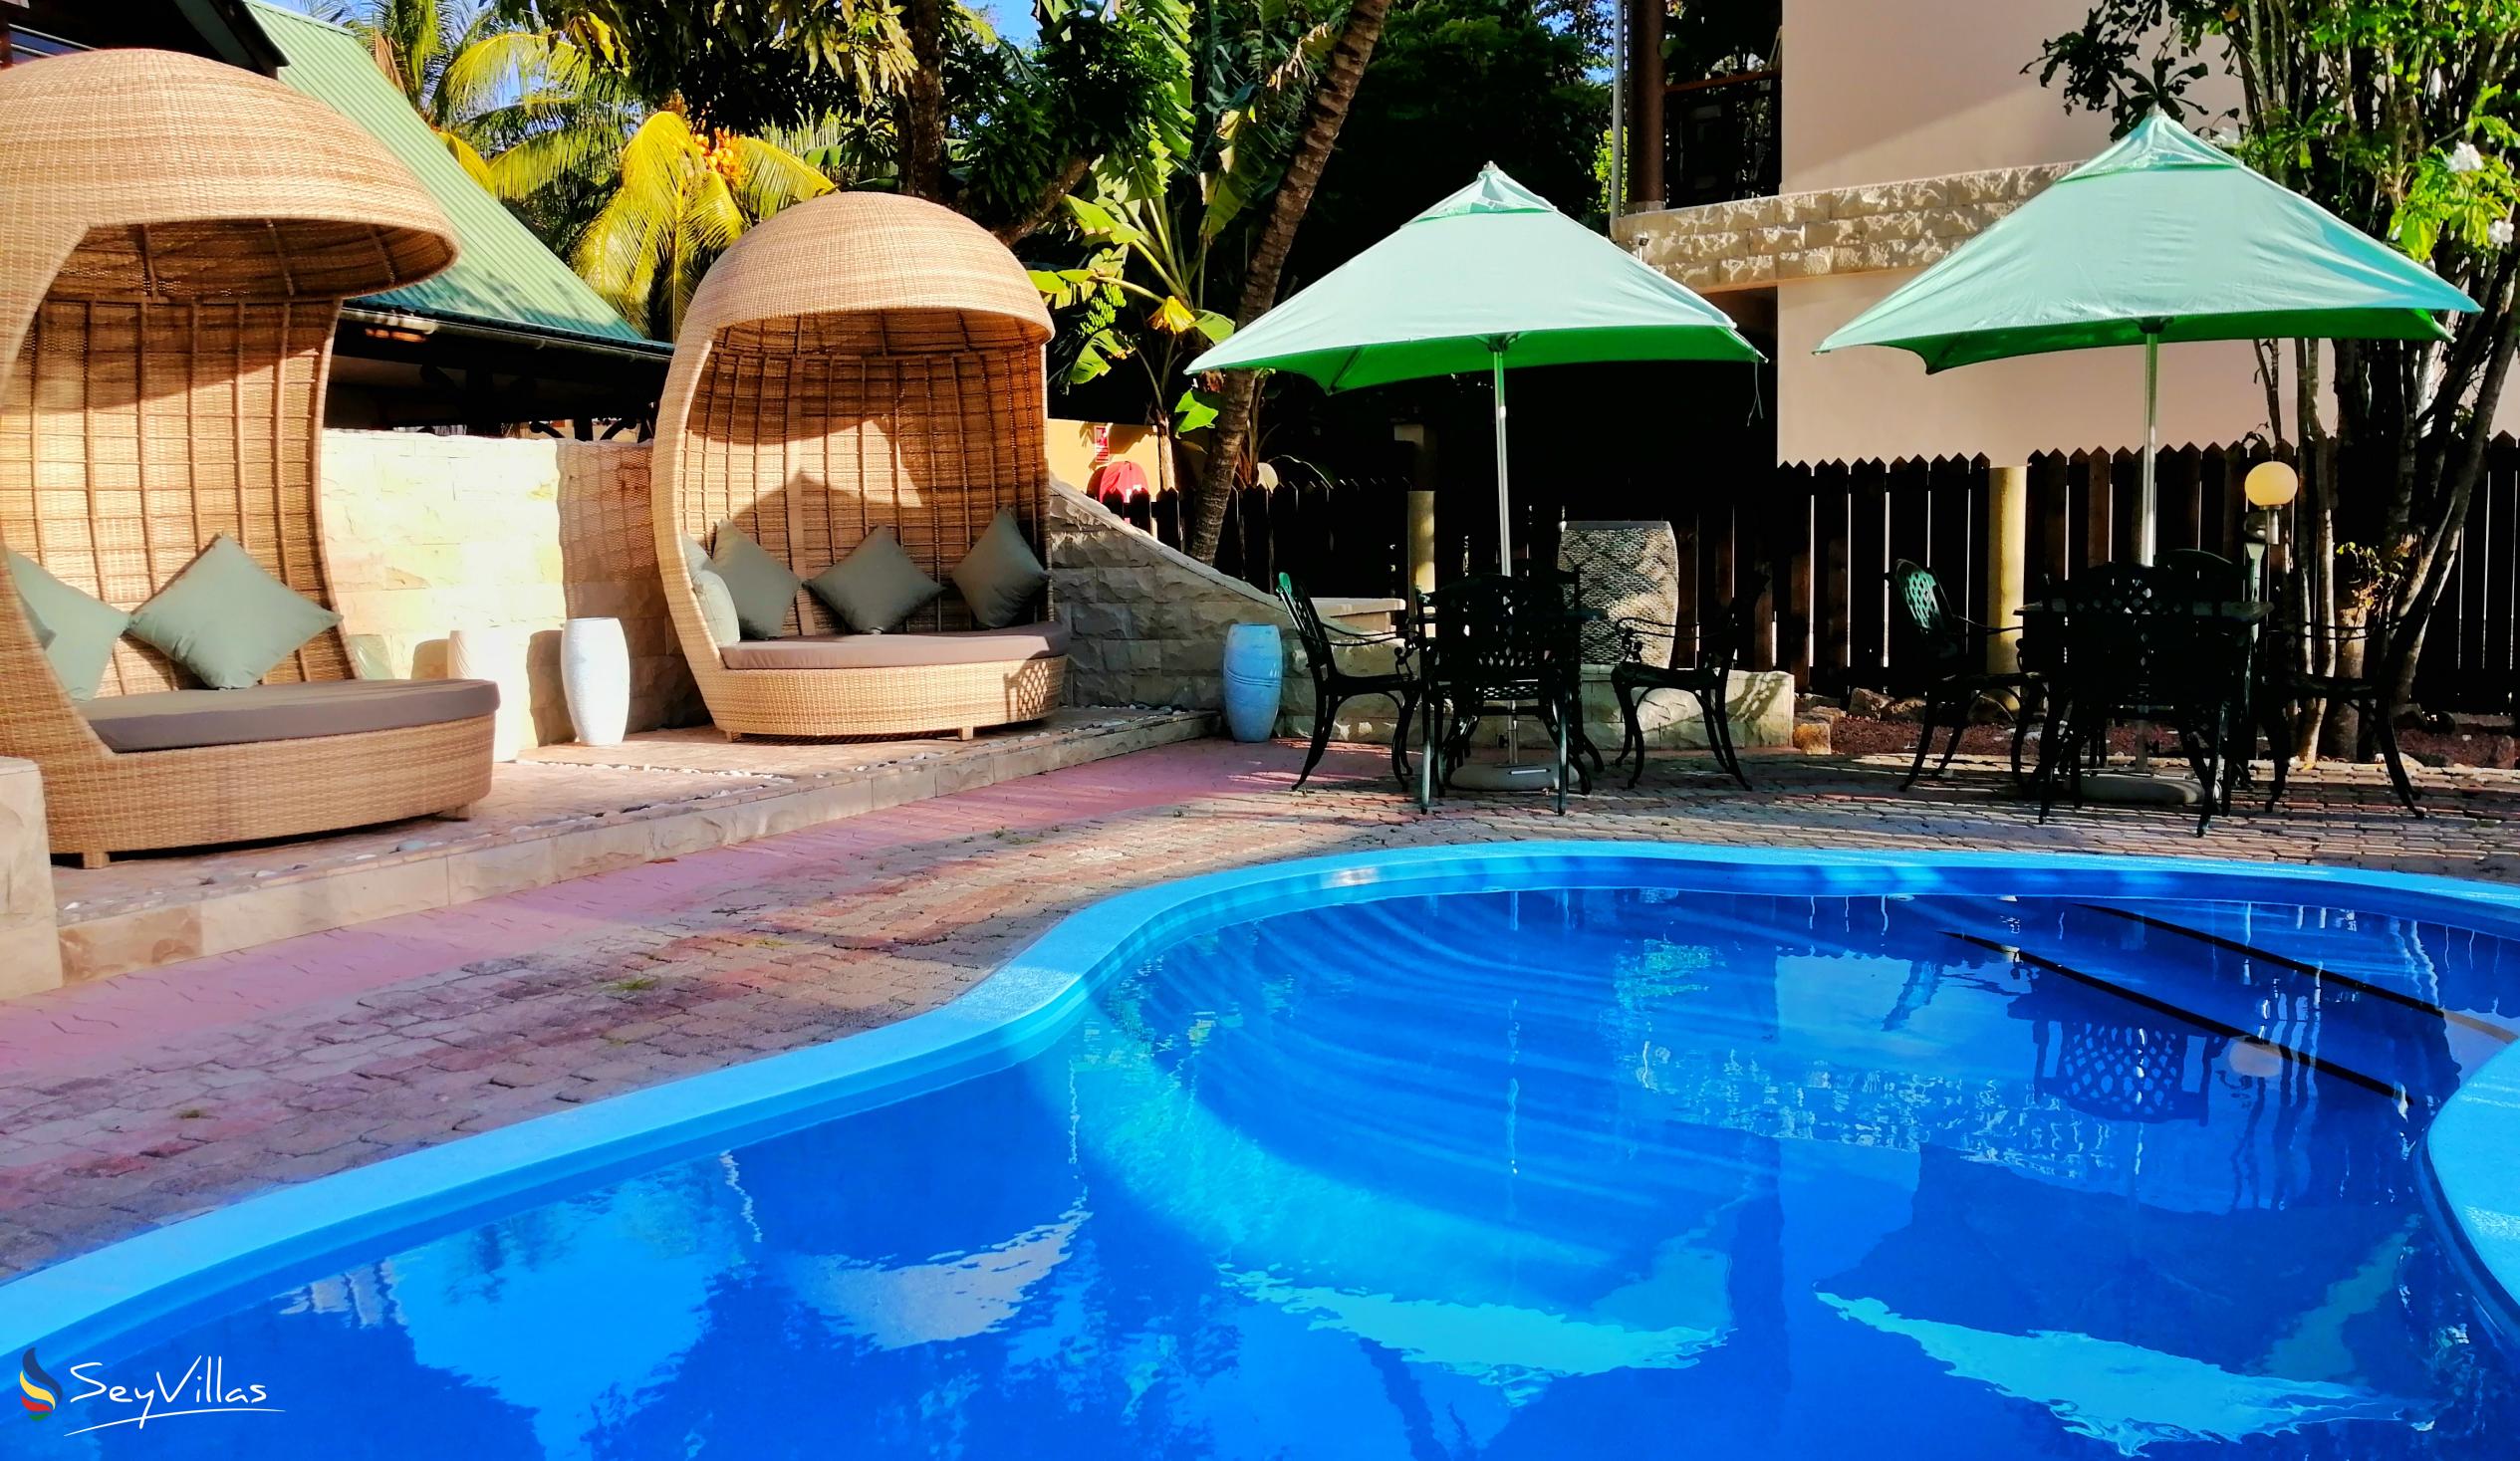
502	274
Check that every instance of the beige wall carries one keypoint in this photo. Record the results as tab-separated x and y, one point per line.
1881	92
427	534
30	944
1863	404
1876	90
1071	449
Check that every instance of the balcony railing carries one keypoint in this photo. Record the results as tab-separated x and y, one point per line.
1720	139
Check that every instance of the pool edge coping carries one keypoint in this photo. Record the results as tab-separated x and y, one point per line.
1024	1004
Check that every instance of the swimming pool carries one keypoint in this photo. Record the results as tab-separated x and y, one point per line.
1530	1150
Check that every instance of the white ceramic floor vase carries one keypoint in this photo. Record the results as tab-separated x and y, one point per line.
496	656
594	675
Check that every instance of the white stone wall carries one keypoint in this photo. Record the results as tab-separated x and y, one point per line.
1148	623
1851	230
30	945
1150	629
424	535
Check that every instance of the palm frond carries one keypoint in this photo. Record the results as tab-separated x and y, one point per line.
624	246
770	177
562	153
657	162
492	68
618	256
468	159
410	30
711	219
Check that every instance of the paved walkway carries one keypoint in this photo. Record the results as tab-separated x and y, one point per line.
150	1097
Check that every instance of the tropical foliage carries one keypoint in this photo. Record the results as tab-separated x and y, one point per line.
635	193
1454	85
743	65
2398	116
483	86
1161	220
1181	241
935	101
678	198
1152	156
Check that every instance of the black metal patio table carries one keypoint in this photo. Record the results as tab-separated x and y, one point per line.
1489	645
2153	643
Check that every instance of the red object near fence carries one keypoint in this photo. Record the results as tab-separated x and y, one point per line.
1119	481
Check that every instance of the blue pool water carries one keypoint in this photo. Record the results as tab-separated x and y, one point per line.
1586	1172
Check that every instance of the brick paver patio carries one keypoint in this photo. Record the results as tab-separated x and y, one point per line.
150	1097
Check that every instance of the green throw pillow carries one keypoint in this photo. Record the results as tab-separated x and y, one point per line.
763	588
227	620
877	585
717	606
1000	575
76	630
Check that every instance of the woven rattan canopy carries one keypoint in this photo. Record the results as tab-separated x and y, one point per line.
868	274
861	361
144	174
179	240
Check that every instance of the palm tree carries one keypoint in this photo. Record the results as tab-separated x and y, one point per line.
1341	74
1167	216
639	199
478	82
678	198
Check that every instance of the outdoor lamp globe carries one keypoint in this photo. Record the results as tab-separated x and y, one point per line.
2271	484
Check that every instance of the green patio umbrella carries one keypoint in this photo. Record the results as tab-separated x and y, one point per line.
2161	239
1489	278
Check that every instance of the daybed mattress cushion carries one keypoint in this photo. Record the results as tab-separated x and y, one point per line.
175	720
899	651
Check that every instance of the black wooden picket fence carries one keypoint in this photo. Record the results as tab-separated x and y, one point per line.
1833	531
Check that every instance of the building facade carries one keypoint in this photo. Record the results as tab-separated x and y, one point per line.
1797	187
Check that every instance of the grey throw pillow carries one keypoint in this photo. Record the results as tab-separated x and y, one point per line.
877	585
77	629
227	620
718	605
764	589
1000	576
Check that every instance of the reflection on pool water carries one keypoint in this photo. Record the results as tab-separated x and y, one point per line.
1559	1173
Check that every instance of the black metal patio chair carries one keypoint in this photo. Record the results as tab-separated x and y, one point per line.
1706	677
1333	686
1568	583
1940	657
2284	687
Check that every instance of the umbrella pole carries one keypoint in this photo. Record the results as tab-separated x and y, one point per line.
1504	526
1504	499
2147	501
1513	773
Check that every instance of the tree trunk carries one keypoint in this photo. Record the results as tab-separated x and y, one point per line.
923	106
1047	204
2435	550
1342	72
2314	543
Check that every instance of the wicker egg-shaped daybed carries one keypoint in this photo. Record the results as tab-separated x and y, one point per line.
181	237
860	360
